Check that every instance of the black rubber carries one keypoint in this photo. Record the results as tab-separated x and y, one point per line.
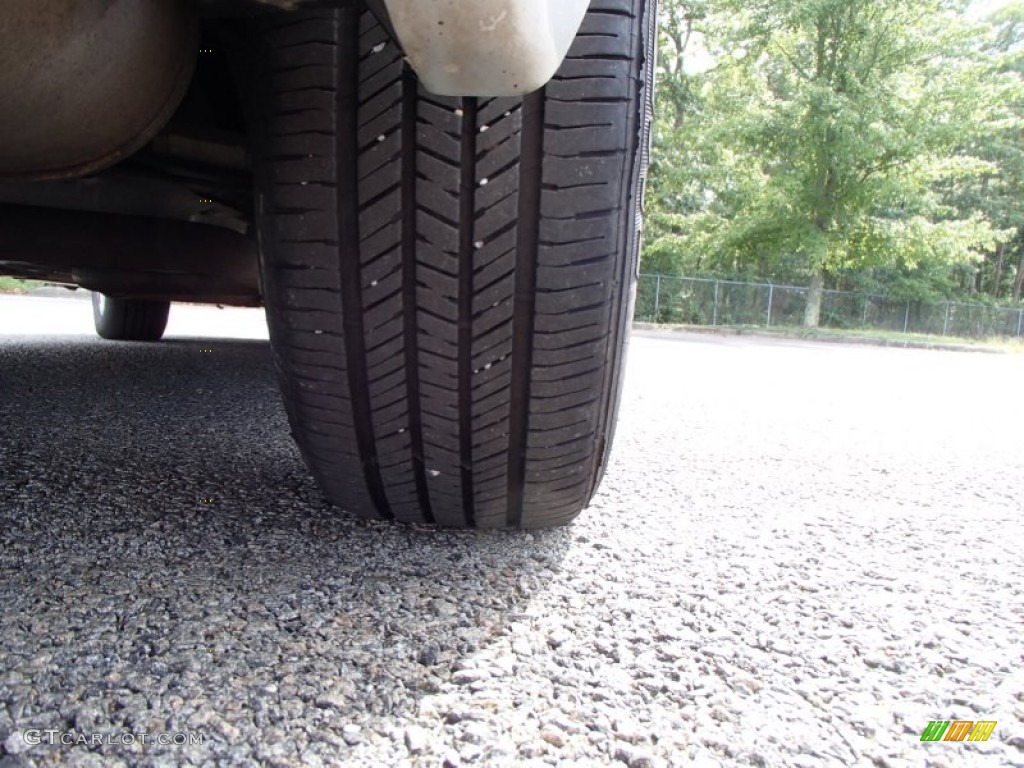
449	282
130	319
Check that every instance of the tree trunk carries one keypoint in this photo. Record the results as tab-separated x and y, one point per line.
812	314
997	280
1018	284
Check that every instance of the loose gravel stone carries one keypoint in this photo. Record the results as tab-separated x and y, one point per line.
476	733
416	739
553	737
16	743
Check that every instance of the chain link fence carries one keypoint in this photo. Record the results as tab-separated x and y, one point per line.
699	301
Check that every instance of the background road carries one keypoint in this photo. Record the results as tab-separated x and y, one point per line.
801	554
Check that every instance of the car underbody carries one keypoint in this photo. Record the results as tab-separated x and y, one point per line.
125	133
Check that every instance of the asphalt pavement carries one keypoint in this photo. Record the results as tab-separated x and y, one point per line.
801	554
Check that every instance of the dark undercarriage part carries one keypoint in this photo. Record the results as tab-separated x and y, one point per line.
217	199
138	257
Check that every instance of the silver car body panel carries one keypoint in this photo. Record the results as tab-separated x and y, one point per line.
485	47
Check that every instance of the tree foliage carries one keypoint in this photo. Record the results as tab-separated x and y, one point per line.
829	140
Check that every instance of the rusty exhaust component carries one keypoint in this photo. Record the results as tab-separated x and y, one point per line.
85	83
131	256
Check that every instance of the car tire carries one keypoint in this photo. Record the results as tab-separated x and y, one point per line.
449	282
129	319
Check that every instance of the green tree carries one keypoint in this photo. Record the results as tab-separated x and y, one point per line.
827	139
998	192
674	192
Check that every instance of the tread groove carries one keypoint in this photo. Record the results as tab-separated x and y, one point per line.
409	285
346	157
530	179
467	204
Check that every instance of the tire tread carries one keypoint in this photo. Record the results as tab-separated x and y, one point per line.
448	280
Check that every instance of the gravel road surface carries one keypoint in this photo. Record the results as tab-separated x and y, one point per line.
801	554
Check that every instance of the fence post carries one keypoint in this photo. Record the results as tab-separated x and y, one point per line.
714	311
945	323
864	319
771	295
906	320
1020	322
657	297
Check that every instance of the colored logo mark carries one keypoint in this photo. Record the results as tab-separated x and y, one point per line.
958	730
